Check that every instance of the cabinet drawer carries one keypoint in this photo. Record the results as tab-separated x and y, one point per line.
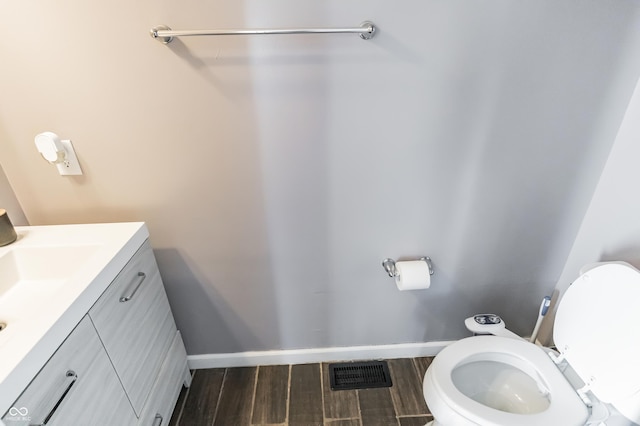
134	322
173	374
77	386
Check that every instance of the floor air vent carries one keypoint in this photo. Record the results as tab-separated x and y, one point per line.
359	375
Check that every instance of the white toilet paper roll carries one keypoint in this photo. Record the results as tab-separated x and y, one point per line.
412	275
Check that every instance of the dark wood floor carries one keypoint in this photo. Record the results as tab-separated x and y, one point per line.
300	395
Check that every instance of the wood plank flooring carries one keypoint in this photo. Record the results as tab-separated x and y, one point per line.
300	395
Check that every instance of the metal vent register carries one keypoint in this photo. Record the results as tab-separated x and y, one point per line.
359	375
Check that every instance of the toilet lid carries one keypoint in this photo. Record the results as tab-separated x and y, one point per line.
597	329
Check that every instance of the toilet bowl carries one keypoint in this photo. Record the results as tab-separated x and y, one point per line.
492	380
503	381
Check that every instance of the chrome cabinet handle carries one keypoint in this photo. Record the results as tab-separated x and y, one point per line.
157	421
70	374
140	277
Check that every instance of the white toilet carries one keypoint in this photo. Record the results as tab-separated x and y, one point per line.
507	381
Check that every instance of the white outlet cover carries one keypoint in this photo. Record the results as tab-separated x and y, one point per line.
71	166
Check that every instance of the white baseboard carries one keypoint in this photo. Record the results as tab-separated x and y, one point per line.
306	356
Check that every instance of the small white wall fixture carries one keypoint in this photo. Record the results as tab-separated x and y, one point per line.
58	152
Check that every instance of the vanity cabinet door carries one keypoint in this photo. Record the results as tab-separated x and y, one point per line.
173	374
134	322
77	386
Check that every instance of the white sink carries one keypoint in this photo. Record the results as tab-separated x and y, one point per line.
30	276
40	266
49	278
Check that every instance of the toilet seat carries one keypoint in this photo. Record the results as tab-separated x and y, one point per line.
565	406
595	330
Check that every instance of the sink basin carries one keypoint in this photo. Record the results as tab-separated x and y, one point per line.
31	276
44	267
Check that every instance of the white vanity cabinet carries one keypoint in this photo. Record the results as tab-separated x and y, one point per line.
123	364
135	325
77	386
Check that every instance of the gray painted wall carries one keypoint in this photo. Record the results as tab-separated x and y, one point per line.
611	226
276	173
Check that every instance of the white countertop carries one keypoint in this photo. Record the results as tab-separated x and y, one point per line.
33	335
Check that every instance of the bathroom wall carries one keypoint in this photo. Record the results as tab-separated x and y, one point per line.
276	173
610	229
9	202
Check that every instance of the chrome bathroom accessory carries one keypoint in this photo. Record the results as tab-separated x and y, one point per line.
389	265
164	34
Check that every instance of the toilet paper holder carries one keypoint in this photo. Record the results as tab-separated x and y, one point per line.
389	265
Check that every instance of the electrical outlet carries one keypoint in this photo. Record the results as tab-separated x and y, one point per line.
70	166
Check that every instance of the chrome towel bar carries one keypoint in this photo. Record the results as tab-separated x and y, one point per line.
162	33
